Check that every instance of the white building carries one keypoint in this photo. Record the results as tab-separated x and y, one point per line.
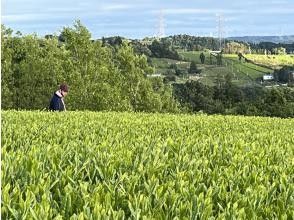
154	75
267	77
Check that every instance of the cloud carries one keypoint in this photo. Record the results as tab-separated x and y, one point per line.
278	2
180	11
275	10
121	7
37	17
136	18
115	7
55	13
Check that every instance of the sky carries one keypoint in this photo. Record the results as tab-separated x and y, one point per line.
141	18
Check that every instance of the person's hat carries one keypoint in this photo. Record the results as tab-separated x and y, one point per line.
64	87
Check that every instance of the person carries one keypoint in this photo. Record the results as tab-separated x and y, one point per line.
57	101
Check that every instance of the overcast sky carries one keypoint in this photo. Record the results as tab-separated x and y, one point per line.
140	18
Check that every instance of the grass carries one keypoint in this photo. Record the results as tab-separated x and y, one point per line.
195	56
243	69
162	65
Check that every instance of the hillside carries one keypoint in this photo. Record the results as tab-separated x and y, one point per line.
257	39
272	61
243	73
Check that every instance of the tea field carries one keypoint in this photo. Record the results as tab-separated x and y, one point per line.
107	165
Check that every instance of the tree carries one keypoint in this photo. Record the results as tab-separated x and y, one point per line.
285	74
279	51
100	77
193	68
163	49
219	57
202	58
240	56
236	47
7	90
195	95
141	48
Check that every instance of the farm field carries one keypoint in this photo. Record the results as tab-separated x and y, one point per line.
243	73
273	61
245	70
195	56
162	65
107	165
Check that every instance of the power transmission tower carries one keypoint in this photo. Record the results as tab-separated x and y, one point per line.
281	35
161	25
220	30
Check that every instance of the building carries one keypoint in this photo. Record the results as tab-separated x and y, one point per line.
154	75
267	77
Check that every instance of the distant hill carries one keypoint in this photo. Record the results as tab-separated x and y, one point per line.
257	39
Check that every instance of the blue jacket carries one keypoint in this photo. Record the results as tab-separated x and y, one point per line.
56	103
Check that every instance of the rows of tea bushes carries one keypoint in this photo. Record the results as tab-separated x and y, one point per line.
86	165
